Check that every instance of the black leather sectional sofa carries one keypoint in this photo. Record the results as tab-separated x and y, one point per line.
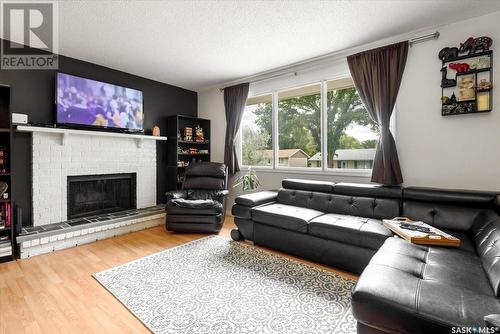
403	288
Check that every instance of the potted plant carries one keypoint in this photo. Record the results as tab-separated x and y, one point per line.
249	181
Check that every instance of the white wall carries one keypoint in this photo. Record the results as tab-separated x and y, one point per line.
451	152
458	151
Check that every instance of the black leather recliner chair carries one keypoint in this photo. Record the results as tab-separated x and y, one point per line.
200	206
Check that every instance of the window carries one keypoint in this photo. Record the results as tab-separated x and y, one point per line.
256	130
299	126
351	133
350	137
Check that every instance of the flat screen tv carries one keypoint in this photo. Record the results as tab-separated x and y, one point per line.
86	103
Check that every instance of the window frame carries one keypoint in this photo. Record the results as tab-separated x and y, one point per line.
323	170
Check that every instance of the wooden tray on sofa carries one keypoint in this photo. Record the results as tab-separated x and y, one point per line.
433	236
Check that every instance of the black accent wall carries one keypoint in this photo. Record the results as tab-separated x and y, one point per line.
33	93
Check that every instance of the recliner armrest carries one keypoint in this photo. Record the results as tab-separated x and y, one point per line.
255	199
492	320
175	194
221	194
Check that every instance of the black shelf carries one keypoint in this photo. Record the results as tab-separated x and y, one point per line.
6	134
176	125
486	69
192	142
193	154
486	53
473	102
468	113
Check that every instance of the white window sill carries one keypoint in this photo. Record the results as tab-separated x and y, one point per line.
362	173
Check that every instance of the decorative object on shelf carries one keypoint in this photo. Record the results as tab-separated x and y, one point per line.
448	109
483	85
181	150
193	150
202	151
5	195
446	100
466	87
248	181
448	53
445	82
198	134
459	67
483	102
453	98
156	131
465	108
480	63
188	134
3	187
473	45
3	161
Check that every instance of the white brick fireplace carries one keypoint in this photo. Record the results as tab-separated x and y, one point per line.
54	159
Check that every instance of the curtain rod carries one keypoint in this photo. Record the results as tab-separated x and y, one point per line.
424	38
272	74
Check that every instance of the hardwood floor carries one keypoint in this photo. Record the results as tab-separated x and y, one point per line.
55	292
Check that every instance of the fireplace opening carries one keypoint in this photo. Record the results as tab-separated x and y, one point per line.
90	195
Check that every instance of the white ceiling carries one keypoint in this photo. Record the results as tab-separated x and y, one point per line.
195	44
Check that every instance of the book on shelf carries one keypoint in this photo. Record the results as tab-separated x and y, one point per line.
5	218
6	253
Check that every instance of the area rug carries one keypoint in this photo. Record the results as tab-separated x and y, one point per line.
214	285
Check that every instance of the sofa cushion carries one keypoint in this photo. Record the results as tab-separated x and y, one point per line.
368	190
487	240
417	289
183	206
288	217
359	231
347	205
442	216
308	185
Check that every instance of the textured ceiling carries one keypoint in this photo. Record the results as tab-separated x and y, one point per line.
194	44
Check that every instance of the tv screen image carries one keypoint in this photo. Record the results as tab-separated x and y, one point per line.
86	102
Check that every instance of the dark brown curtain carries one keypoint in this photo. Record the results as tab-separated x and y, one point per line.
377	76
235	98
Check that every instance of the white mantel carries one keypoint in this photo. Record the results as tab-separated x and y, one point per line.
59	153
65	133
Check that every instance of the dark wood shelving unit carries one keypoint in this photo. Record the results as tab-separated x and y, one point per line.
176	143
7	232
469	106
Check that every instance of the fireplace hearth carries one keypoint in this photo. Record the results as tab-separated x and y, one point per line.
90	195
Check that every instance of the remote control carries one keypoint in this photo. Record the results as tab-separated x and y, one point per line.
412	227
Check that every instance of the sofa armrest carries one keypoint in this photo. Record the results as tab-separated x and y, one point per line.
492	320
256	199
175	194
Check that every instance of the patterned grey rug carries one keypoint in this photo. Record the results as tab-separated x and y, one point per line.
214	285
